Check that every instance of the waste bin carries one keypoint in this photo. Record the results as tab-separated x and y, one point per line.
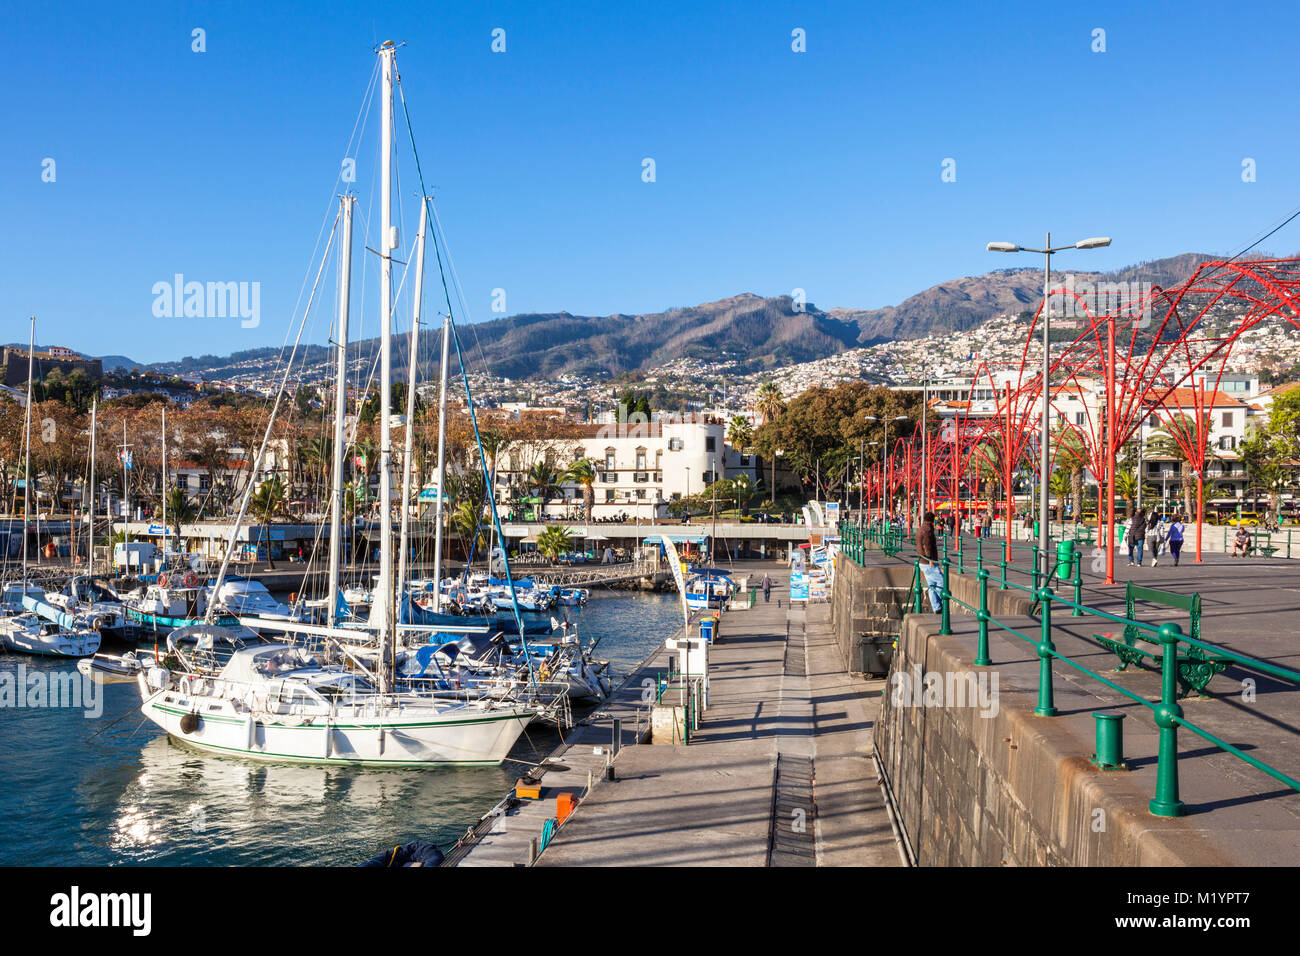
1065	560
708	627
877	652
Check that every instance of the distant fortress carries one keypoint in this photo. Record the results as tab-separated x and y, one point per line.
63	360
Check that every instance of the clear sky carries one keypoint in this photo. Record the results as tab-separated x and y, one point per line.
774	169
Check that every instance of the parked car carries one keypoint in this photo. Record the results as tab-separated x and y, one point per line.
1248	519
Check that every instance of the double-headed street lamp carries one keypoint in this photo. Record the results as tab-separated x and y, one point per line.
1044	457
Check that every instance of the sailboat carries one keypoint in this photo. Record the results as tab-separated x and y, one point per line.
285	702
41	628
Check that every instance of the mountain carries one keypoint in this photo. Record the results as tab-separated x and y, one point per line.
759	333
963	304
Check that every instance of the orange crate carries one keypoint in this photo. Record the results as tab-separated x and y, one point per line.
565	804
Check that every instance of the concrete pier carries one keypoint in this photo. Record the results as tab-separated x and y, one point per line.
779	773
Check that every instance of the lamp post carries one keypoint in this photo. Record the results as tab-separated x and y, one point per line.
1044	442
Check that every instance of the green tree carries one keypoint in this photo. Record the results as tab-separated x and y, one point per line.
740	433
554	541
582	472
180	510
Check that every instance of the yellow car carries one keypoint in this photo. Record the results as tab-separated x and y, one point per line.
1249	519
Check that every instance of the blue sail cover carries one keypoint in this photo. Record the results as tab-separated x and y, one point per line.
51	613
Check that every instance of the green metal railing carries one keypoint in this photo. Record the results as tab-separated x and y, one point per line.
1168	714
857	538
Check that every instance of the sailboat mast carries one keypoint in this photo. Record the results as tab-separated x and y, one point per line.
164	485
410	407
27	442
126	493
383	616
442	466
90	534
340	408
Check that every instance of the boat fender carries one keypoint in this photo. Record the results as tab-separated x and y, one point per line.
189	723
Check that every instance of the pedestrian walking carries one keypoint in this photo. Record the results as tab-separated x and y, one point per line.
1175	539
986	524
927	550
1137	534
767	589
1155	537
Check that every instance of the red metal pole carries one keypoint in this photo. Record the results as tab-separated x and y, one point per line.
1006	464
1110	449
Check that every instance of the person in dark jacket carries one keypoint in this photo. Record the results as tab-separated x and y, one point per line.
1137	536
927	550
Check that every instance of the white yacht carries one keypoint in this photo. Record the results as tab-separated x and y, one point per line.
279	702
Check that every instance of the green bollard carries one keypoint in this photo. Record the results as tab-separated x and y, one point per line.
1078	585
945	625
982	615
1046	701
1110	742
1167	714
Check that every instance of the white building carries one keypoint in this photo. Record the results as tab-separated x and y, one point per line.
640	467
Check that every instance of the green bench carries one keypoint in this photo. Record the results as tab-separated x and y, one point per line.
1267	549
1195	669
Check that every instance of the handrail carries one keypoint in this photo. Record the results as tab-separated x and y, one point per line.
1168	714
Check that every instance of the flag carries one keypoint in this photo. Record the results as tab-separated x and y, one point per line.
359	461
125	458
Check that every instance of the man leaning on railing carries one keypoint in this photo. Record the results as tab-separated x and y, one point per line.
927	550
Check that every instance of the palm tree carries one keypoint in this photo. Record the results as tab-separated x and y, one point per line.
584	473
267	502
543	479
554	541
1072	452
466	521
770	404
180	510
1126	485
740	433
1059	487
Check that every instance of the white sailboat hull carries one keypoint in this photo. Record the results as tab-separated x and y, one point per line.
472	736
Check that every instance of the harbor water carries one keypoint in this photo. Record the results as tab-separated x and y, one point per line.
128	795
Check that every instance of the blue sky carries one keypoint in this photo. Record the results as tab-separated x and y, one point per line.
775	170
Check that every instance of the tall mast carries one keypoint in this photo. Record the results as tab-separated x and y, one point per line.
442	466
382	616
410	406
164	486
126	493
340	407
90	534
27	442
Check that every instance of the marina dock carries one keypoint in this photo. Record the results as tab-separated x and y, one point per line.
779	772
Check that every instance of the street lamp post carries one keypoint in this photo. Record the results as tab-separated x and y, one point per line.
1044	450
